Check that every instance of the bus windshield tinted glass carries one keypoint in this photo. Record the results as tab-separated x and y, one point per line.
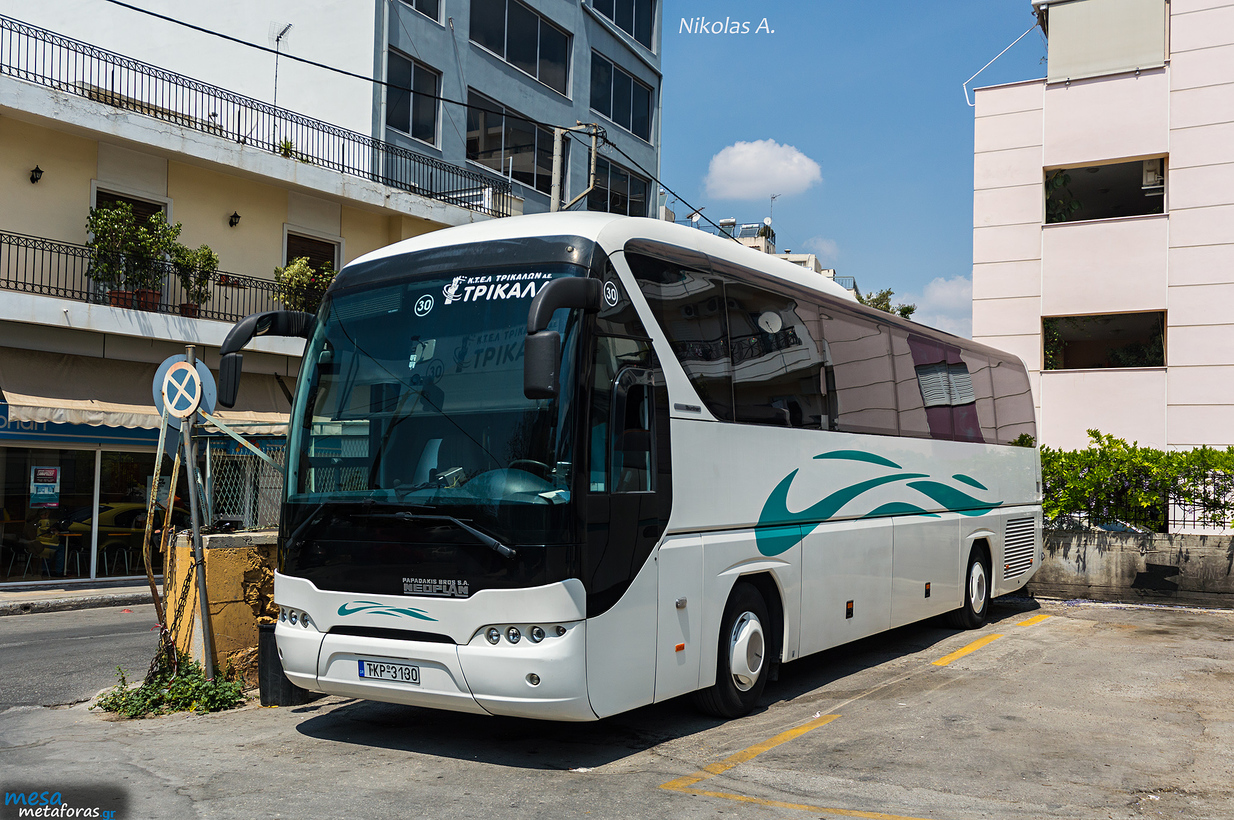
413	395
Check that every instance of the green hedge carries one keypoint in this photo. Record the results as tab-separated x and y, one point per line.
1111	480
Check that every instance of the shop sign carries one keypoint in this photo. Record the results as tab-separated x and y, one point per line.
44	486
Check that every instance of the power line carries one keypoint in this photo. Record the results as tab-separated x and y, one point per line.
657	181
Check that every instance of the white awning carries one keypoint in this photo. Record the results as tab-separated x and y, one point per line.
61	388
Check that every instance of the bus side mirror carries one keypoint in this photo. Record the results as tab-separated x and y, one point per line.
542	350
541	357
270	323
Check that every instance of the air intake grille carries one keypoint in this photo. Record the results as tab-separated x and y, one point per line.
1019	547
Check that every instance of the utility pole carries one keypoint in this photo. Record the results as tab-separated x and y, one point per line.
199	558
559	135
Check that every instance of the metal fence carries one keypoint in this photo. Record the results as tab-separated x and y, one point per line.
51	60
1174	516
36	265
241	488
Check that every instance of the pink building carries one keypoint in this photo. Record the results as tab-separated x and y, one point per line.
1103	222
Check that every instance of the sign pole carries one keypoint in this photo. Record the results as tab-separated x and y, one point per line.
199	561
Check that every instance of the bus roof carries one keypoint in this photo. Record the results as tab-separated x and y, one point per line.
612	231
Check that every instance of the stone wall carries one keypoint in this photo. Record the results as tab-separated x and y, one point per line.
1134	568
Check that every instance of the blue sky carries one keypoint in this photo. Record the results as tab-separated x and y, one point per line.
871	93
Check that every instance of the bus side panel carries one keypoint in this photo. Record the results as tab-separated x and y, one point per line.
621	649
727	556
925	550
679	639
841	562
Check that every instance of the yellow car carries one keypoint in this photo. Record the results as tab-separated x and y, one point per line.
121	528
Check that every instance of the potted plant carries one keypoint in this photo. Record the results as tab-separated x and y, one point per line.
128	258
300	286
195	268
147	266
110	230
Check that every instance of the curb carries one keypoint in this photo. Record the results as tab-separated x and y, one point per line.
76	602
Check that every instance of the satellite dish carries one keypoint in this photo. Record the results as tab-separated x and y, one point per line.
694	217
767	221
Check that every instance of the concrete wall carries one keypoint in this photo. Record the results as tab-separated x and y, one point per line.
240	588
1181	262
1132	568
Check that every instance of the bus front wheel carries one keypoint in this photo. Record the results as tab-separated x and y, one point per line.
741	663
976	593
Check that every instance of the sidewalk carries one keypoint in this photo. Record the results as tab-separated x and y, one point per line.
52	597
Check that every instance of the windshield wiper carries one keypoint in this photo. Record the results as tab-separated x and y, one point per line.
483	537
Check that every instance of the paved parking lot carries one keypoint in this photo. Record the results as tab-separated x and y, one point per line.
1052	710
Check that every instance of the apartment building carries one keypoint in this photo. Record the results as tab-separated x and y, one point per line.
1103	222
258	127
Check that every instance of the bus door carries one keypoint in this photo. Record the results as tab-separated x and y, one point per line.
626	512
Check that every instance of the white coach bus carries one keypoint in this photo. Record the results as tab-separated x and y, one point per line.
565	465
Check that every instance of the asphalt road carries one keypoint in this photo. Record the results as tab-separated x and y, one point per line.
60	658
1066	712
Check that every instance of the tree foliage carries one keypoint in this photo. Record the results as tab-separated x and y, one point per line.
882	301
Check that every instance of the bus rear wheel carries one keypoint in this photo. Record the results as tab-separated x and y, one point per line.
741	663
976	594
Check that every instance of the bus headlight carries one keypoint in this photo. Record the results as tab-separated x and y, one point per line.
536	634
493	635
513	635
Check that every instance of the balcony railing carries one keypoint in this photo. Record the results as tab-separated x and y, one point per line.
35	265
51	60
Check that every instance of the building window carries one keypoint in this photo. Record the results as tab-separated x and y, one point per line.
618	191
523	39
319	252
1105	191
142	209
429	8
618	96
510	144
1113	340
634	17
411	97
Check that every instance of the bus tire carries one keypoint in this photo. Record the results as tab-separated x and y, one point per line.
742	662
976	593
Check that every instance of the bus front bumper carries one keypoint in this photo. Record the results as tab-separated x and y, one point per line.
546	680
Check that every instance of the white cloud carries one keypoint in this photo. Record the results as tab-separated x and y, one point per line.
825	249
946	304
756	170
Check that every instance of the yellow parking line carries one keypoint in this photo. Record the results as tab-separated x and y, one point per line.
972	647
1036	619
686	784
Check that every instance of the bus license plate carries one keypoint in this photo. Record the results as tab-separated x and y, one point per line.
398	672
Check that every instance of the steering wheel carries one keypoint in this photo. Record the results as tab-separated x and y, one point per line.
539	467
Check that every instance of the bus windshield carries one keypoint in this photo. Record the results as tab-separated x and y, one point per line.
412	394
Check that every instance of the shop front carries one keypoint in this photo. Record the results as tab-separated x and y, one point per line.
77	474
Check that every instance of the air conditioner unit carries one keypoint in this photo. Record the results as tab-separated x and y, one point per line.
1153	177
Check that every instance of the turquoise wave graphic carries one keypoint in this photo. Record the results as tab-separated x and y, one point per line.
780	529
374	608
